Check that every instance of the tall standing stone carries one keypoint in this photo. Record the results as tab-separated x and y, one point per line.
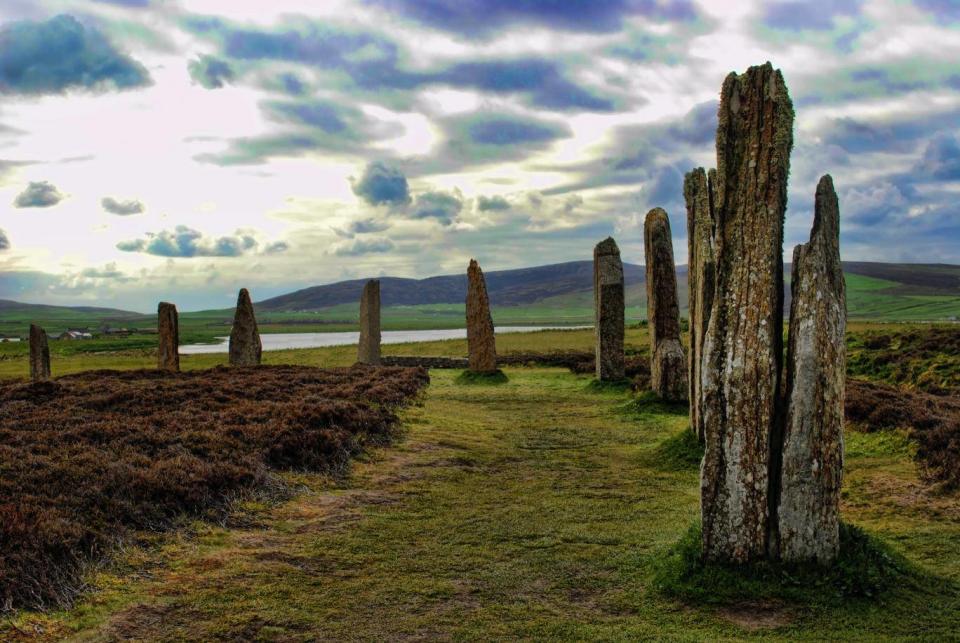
39	354
608	302
481	343
369	348
668	367
245	346
742	352
808	511
168	325
698	194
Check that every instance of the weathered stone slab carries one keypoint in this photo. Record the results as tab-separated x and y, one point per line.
698	194
812	468
668	367
742	352
168	325
369	347
481	344
608	302
245	346
39	354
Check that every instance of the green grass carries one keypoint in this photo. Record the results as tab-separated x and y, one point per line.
537	509
482	379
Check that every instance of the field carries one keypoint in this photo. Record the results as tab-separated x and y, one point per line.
543	507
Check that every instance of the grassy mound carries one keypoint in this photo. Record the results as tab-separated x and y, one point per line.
680	452
866	568
473	377
88	458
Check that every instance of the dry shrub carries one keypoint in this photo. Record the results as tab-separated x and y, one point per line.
933	422
87	458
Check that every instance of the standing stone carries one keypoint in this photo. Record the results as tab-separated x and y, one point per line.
698	193
369	350
608	302
39	354
668	367
245	346
481	344
742	351
808	513
168	324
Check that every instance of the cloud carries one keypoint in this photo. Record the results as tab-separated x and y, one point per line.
494	203
381	184
121	208
372	62
944	9
276	248
362	226
187	242
314	113
941	159
39	194
357	247
543	79
493	16
138	4
109	271
798	15
210	72
442	206
4	241
60	54
508	131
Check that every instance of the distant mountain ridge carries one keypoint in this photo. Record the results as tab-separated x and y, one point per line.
525	286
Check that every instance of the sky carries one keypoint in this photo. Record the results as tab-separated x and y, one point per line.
181	149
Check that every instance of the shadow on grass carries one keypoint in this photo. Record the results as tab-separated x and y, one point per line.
473	377
866	569
650	402
615	386
680	452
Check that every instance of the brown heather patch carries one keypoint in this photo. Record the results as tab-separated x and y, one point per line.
933	421
85	459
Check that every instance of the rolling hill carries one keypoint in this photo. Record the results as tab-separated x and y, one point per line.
883	291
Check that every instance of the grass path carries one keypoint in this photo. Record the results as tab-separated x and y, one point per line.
533	509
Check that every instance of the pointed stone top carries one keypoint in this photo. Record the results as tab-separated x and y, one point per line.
244	297
607	247
658	217
373	282
473	265
826	214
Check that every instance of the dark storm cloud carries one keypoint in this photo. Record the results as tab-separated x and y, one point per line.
442	206
472	18
121	208
60	54
4	241
372	62
358	247
798	15
941	158
381	184
186	242
210	72
39	194
493	203
507	131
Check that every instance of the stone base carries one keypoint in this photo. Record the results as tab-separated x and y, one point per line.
482	377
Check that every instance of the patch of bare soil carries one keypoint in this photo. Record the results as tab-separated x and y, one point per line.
756	616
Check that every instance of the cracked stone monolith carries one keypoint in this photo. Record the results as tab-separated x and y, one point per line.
698	194
168	325
668	365
481	344
245	346
368	351
742	351
808	514
608	302
39	354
